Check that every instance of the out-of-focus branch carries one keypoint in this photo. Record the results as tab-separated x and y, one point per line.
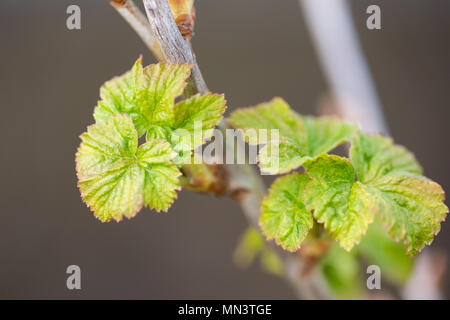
426	280
245	184
334	36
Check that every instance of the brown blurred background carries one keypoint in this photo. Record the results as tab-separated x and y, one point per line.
250	50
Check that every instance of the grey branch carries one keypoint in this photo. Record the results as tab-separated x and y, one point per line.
175	48
343	61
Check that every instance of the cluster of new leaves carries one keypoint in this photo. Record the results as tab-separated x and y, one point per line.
379	178
117	177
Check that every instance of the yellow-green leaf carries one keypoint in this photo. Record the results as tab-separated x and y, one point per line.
116	178
410	206
199	113
343	206
375	156
284	216
148	96
300	138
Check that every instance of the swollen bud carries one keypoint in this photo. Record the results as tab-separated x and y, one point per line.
184	14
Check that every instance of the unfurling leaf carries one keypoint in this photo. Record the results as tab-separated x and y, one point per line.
206	110
116	178
410	206
300	138
148	95
374	156
337	201
284	216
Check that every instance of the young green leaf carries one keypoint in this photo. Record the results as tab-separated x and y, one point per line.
206	110
410	206
374	156
300	138
342	205
161	176
325	134
116	178
284	217
148	95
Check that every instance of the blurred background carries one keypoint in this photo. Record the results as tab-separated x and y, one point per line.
250	50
